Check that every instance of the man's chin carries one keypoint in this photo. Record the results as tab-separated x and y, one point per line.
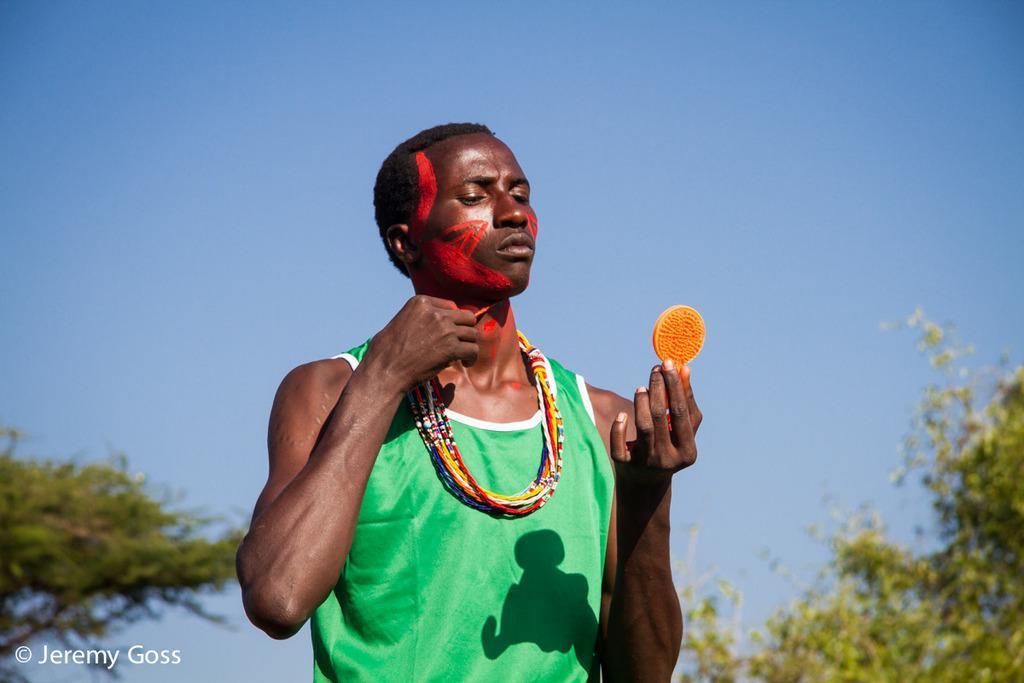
482	285
493	294
522	288
517	284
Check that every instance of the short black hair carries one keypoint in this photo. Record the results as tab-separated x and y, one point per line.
396	192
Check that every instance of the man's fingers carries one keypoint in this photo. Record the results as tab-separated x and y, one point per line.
437	301
696	417
678	405
642	410
463	317
460	316
467	334
467	353
661	434
617	439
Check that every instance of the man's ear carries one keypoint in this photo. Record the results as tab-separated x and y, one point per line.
401	244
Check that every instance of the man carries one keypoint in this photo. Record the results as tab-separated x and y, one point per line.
388	516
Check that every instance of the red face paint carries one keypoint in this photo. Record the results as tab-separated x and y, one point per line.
531	224
452	252
465	236
489	326
428	192
457	266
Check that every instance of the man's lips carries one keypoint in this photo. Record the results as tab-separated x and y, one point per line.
519	243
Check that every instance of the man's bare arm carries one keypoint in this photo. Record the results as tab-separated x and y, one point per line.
641	625
326	429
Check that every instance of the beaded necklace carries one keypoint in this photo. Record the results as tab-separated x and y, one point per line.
429	411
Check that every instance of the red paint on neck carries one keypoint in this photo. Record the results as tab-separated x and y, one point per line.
489	326
428	192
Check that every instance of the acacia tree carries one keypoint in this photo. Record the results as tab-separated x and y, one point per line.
85	550
881	611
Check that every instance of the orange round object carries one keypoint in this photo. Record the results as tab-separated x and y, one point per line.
679	334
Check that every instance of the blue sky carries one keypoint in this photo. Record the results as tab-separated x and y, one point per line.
186	214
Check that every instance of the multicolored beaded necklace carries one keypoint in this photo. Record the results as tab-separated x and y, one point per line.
429	411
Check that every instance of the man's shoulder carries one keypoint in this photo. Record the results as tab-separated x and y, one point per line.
319	379
607	404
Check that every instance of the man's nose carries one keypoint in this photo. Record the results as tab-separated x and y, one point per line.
510	212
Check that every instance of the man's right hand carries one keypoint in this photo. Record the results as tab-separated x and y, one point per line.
427	335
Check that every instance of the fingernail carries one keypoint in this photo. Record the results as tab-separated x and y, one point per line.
642	390
621	417
668	364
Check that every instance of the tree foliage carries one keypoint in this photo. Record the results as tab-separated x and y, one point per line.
881	611
85	550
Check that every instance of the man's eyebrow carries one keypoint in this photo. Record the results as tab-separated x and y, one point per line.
485	181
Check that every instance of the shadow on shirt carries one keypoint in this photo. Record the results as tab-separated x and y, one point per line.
546	607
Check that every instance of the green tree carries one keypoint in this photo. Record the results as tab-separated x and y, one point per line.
881	611
85	550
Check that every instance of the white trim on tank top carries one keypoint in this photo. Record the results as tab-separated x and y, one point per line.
582	384
502	426
468	420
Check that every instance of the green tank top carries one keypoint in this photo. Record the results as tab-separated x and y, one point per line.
433	590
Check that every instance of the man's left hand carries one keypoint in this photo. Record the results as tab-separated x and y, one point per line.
664	443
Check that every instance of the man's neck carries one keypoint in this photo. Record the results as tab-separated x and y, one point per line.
500	360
